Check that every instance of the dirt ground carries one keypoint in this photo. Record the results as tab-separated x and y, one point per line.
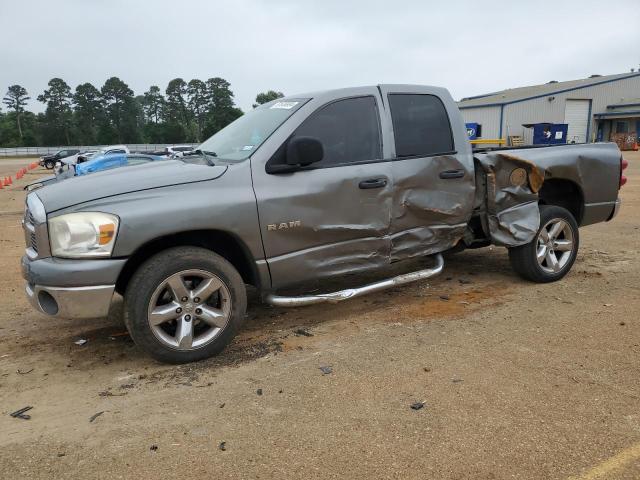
518	380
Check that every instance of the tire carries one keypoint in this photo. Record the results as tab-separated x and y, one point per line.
49	164
525	260
163	292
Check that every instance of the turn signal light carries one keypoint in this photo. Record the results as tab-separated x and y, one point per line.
106	234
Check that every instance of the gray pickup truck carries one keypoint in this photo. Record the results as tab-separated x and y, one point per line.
296	191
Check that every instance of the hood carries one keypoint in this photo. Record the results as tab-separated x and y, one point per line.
124	180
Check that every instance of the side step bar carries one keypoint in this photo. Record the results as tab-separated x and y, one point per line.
341	295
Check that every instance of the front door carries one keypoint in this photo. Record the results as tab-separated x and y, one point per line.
332	217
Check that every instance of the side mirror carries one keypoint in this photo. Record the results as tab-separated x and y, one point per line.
303	151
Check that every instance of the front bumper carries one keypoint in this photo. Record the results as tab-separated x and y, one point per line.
71	288
71	302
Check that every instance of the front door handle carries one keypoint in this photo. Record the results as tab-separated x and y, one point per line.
447	174
373	183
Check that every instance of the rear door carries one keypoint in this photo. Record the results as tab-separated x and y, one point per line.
432	171
332	217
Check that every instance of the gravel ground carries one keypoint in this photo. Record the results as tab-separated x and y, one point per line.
517	380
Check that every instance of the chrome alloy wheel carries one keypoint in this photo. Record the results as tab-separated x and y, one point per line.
555	245
189	309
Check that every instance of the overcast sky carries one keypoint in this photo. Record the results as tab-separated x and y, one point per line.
470	47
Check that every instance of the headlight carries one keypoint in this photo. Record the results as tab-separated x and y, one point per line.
83	234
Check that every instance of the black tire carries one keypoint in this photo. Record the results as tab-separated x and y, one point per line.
524	259
148	279
49	164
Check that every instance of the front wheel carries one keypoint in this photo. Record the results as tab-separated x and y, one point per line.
49	164
550	255
184	304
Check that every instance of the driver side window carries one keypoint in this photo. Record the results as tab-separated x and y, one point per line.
348	129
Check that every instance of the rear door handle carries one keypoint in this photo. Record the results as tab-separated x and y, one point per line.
447	174
373	183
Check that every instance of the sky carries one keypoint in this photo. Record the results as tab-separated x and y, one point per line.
297	46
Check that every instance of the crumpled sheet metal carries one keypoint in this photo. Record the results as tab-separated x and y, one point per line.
512	208
429	213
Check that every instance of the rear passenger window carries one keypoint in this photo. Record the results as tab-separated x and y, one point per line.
348	129
420	124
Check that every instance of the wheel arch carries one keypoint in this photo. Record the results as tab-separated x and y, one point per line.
563	193
223	243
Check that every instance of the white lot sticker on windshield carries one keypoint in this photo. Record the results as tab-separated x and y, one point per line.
247	147
285	105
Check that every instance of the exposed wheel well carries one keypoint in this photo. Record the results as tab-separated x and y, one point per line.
222	243
563	193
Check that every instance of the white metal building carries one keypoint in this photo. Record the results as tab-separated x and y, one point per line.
594	108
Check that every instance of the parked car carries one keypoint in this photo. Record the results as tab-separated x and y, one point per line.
49	161
297	190
113	160
111	149
64	171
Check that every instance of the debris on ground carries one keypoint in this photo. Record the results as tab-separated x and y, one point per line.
81	341
418	405
20	372
153	448
259	391
464	281
94	416
222	446
426	369
326	370
61	454
21	413
608	304
302	332
108	393
444	297
457	380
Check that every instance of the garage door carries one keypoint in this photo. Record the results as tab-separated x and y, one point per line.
576	114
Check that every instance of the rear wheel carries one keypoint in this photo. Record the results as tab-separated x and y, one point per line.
184	304
550	255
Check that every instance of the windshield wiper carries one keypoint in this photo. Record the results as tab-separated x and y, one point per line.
207	156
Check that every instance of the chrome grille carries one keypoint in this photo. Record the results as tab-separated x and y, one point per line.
30	237
34	242
34	223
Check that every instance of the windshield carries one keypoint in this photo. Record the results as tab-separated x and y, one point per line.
238	140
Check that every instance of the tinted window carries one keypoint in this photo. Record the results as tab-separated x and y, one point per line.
348	129
420	125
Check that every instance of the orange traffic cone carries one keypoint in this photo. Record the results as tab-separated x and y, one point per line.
635	147
10	180
5	182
